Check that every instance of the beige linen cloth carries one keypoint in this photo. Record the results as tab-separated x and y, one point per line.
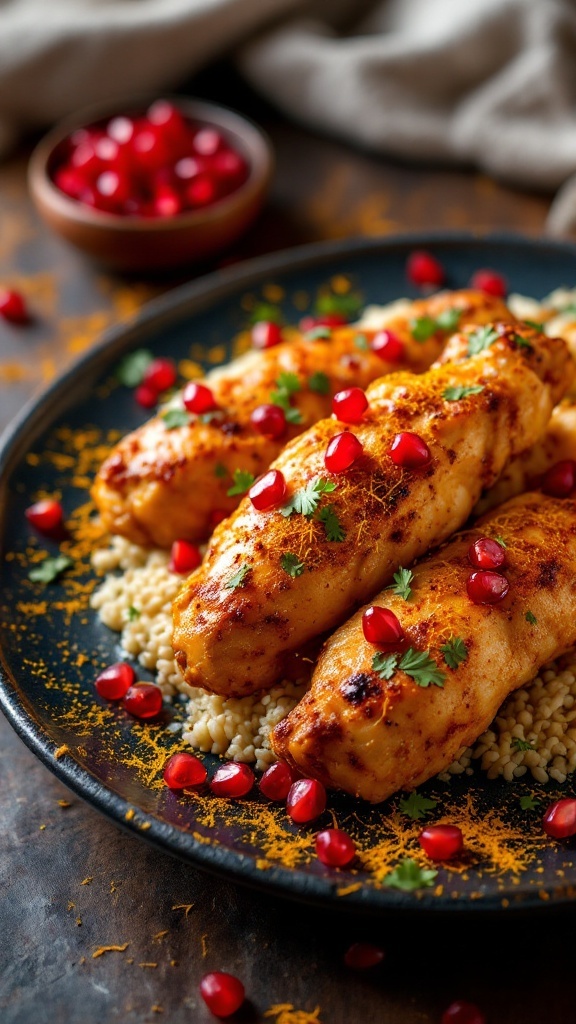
490	83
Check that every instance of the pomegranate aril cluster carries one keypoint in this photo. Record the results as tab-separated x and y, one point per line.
157	164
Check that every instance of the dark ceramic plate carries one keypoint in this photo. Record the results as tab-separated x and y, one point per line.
52	645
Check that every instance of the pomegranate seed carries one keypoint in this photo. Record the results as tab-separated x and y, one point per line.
306	800
121	129
160	374
167	202
380	626
13	307
217	515
335	848
463	1013
149	148
560	819
232	779
115	681
309	323
207	142
184	770
560	480
145	396
69	181
198	398
486	553
423	269
410	451
187	168
165	115
342	452
350	405
84	158
143	700
276	781
363	955
184	557
269	420
222	993
265	334
112	188
201	191
486	587
388	346
228	164
490	282
268	491
441	842
45	515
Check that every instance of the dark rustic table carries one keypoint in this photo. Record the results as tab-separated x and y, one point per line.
71	880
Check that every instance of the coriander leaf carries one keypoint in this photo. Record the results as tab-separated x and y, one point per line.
402	580
408	876
534	324
481	339
266	311
519	744
292	415
220	471
421	668
176	418
319	382
454	651
568	309
243	481
130	371
361	342
50	569
529	803
239	578
523	342
531	618
334	529
423	327
415	805
209	417
384	665
133	613
305	500
501	540
292	565
448	319
320	333
460	391
289	382
349	304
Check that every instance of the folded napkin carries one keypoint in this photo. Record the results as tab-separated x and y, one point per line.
483	82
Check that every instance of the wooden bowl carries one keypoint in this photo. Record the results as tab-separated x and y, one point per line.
153	243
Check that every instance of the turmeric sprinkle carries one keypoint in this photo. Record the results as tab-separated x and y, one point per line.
64	803
285	1013
183	906
86	881
109	949
148	965
64	749
160	935
204	946
129	814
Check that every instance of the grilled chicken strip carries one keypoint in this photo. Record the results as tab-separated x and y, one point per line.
161	485
373	732
246	607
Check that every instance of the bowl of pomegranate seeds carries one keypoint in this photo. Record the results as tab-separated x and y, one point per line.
154	186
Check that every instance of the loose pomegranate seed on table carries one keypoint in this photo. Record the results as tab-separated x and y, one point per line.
268	491
360	956
266	334
197	398
350	405
13	307
559	821
388	346
184	557
463	1013
222	993
487	587
143	700
441	842
46	515
184	770
269	420
489	281
560	480
410	451
146	396
342	452
276	782
423	270
380	626
232	779
486	553
160	374
115	681
335	848
306	800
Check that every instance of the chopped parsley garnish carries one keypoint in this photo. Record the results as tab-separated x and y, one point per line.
133	613
454	394
449	319
384	665
416	664
334	529
287	385
454	651
531	618
415	805
319	382
523	342
402	580
361	342
408	876
220	471
529	803
481	339
50	569
423	328
266	311
519	744
243	481
305	500
320	333
534	324
501	540
175	418
239	578
348	304
292	565
130	371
